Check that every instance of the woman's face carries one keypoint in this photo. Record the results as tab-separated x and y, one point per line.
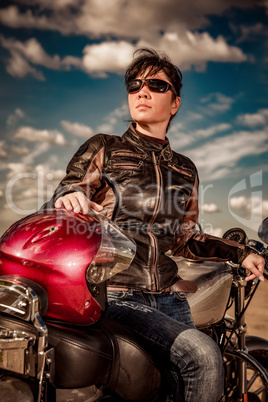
152	108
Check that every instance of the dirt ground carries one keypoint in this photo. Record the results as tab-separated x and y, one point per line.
257	313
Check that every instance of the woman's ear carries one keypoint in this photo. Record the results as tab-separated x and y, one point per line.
175	105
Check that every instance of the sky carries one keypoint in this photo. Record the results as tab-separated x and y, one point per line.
62	66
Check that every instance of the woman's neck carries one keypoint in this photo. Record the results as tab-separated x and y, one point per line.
153	139
152	130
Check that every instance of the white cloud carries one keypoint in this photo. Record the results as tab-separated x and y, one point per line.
194	116
216	103
253	205
18	150
57	174
25	54
56	4
210	131
12	17
217	159
173	26
209	208
218	232
39	149
242	203
18	66
97	60
48	136
112	119
209	229
253	119
17	168
32	51
189	49
15	116
181	139
77	129
28	188
106	57
185	49
7	151
116	17
249	32
3	152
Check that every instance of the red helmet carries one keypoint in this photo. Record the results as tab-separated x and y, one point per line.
70	256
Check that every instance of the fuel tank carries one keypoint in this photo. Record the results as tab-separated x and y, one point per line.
214	281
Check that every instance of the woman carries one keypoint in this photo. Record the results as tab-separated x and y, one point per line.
150	191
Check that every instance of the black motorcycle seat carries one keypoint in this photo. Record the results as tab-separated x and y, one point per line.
106	354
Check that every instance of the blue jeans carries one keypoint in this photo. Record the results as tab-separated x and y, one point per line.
165	321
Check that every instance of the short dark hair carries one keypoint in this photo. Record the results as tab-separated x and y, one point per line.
151	62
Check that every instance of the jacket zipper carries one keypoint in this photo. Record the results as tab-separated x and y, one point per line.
127	153
185	172
153	239
130	165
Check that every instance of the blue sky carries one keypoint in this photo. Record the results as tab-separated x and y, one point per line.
61	77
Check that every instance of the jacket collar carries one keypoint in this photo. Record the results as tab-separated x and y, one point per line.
144	146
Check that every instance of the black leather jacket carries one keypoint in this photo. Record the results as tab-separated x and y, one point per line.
150	191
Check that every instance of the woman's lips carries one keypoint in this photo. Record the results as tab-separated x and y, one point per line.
143	105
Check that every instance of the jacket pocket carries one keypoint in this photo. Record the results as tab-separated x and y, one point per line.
126	153
116	294
181	296
126	159
185	172
127	165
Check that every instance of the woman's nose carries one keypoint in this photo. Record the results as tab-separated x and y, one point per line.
144	92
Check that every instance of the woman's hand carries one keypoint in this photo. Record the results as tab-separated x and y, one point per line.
77	202
254	263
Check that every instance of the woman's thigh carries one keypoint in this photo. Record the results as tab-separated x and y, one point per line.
136	313
191	353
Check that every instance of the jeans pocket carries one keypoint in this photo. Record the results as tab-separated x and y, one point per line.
116	294
180	296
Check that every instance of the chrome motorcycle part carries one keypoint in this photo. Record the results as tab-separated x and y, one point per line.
235	234
15	351
19	300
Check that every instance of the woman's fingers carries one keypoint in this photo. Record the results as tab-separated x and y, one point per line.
96	207
77	202
254	263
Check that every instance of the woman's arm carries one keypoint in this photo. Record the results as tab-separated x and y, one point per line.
189	243
83	178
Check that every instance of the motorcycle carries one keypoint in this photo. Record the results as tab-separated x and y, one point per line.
56	343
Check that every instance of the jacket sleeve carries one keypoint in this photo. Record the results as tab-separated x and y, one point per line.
189	243
84	171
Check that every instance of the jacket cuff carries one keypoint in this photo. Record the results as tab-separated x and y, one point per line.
243	253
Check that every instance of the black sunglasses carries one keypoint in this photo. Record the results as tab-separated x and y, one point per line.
154	85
